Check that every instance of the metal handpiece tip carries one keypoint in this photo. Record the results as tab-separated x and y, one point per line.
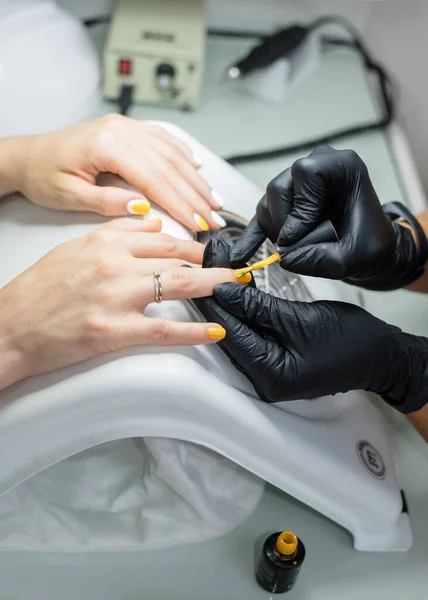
233	73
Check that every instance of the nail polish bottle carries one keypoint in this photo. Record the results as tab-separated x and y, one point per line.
280	562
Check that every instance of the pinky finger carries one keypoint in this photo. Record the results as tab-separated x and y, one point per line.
162	332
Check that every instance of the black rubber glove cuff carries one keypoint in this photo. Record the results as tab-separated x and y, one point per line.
410	372
409	259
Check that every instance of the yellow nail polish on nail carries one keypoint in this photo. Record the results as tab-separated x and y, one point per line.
245	278
216	333
138	207
200	222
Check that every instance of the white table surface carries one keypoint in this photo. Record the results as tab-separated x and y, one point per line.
229	122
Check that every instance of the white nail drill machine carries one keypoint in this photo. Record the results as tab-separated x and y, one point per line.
157	50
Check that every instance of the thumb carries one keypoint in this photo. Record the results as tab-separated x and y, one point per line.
247	350
108	201
256	309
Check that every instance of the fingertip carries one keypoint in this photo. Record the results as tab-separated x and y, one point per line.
216	333
218	219
245	279
197	161
139	206
200	222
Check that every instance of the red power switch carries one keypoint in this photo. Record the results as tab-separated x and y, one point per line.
125	67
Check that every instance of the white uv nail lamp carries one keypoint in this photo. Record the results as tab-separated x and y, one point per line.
332	454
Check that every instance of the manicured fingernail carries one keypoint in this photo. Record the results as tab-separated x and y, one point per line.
138	207
218	219
216	333
245	278
217	199
197	160
200	222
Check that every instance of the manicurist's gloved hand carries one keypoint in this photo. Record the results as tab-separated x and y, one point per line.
296	350
373	251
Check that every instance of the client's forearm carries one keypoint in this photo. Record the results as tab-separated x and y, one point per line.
421	285
12	158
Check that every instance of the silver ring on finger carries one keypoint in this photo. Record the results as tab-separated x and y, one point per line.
158	287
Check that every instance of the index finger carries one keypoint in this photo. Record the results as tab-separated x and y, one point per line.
249	242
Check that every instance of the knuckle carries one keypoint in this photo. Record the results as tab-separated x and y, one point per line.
181	279
325	148
169	246
161	330
107	133
111	122
105	268
171	154
279	183
273	187
349	155
104	296
303	166
95	325
156	180
103	140
349	158
104	236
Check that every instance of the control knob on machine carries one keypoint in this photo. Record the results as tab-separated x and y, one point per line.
165	74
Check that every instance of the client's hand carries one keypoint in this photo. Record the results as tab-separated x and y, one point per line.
297	350
59	171
88	296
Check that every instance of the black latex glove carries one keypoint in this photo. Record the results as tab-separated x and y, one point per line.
297	350
373	251
217	255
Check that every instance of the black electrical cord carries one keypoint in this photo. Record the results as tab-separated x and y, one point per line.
96	21
386	93
125	98
235	34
